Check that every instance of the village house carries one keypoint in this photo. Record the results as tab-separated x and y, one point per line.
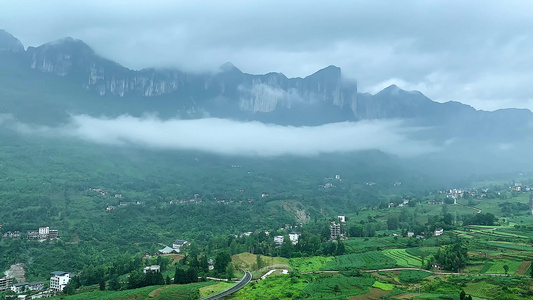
152	268
25	287
32	234
5	283
278	240
167	250
410	234
293	237
438	232
53	234
435	202
11	234
211	264
178	244
59	280
335	230
342	219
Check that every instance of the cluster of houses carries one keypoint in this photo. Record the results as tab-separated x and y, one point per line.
518	187
196	199
436	232
293	238
123	203
405	201
42	233
37	290
176	247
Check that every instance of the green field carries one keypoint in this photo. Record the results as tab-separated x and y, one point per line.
413	276
368	260
184	291
497	266
309	264
383	286
481	289
324	288
274	287
403	258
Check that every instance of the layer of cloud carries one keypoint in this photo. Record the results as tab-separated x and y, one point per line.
228	137
476	52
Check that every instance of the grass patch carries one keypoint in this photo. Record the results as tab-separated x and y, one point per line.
497	267
383	286
369	260
481	289
215	288
247	260
403	258
413	276
274	287
338	286
309	264
523	268
485	268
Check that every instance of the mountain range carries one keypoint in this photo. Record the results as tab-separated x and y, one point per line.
47	84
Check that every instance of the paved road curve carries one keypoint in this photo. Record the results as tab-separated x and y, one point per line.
239	285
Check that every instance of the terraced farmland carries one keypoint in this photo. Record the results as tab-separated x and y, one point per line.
403	258
324	288
523	268
368	260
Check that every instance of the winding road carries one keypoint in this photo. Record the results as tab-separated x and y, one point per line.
239	285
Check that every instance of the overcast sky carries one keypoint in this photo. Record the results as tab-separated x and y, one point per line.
475	52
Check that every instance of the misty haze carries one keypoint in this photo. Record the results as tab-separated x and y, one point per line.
266	150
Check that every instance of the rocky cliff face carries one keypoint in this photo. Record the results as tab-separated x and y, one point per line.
251	93
9	43
320	98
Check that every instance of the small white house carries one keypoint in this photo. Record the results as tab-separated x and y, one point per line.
278	240
438	232
59	280
152	268
293	237
342	219
410	234
26	287
178	244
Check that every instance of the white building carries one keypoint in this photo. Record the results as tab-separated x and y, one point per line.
293	237
5	283
278	240
342	219
410	234
178	244
335	230
152	268
59	280
438	232
25	286
44	231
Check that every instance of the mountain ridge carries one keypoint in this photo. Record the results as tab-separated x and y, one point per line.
319	98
